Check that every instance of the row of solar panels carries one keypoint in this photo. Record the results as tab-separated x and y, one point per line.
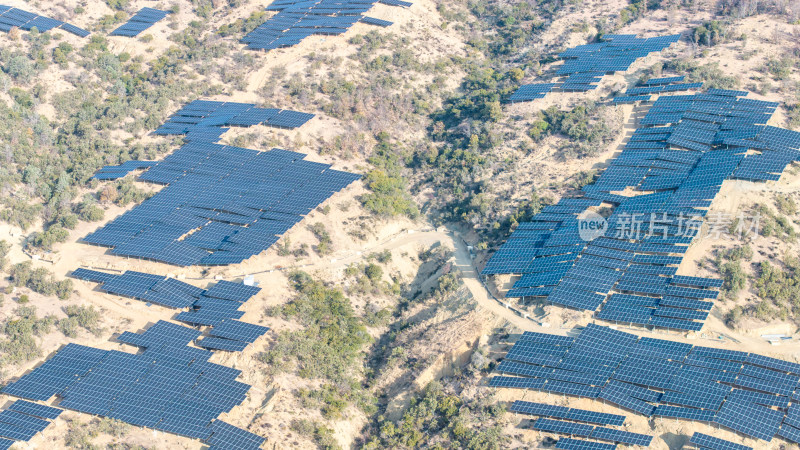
119	171
217	306
168	386
142	20
598	418
657	378
11	17
587	64
23	420
223	204
678	163
297	20
204	121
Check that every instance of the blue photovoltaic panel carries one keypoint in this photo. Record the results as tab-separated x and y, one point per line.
752	420
226	436
222	206
232	291
714	443
214	343
577	444
240	331
560	412
680	412
682	387
621	436
140	21
14	17
296	20
568	428
24	421
35	409
168	387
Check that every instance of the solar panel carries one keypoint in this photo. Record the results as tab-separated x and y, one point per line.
35	409
560	412
296	20
714	443
215	343
577	444
224	435
621	436
169	387
246	198
240	331
568	428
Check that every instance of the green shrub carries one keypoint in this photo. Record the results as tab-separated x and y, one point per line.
389	193
437	417
117	4
325	241
734	278
20	344
46	239
709	33
39	280
710	74
332	340
85	317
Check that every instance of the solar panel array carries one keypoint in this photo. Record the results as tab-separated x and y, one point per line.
169	386
222	204
207	121
674	165
663	88
561	412
11	17
631	99
661	85
299	19
749	393
585	65
615	52
23	420
528	92
119	171
663	80
579	444
142	20
217	306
